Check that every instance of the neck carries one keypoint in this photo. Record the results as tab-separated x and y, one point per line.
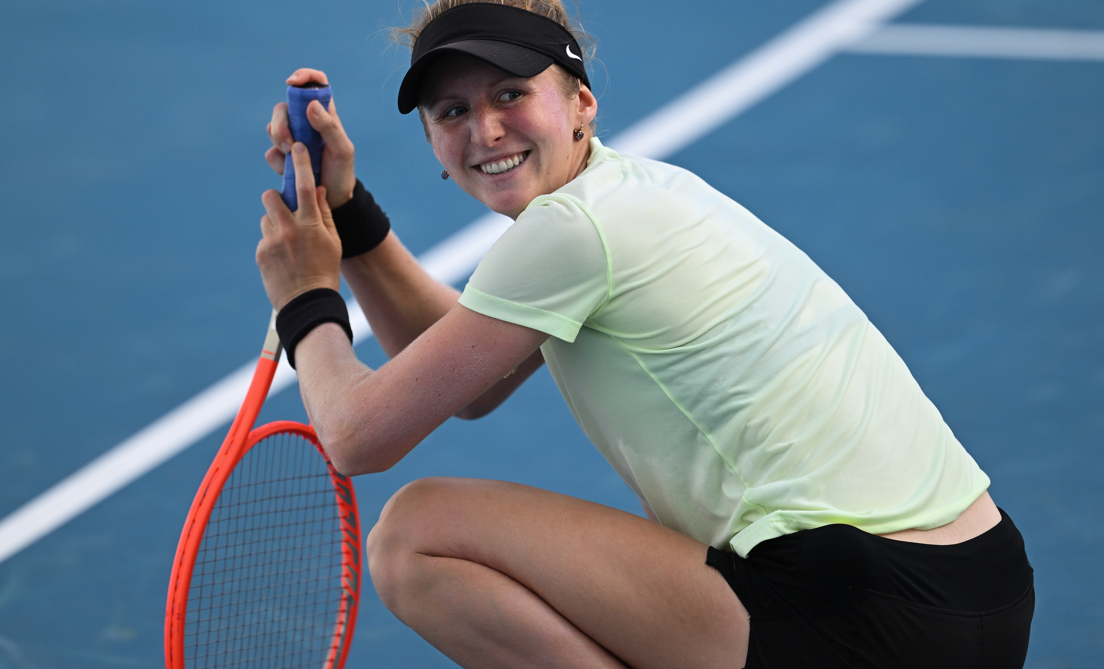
584	156
579	158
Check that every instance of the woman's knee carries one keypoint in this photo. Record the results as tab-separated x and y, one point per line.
411	515
405	531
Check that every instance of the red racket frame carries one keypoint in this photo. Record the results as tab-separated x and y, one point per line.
238	441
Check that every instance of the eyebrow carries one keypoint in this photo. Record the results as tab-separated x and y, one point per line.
494	82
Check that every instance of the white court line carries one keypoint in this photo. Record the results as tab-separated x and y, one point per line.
671	128
756	76
982	42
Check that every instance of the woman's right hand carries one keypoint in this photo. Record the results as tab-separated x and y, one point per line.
338	174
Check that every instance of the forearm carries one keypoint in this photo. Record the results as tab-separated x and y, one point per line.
368	420
400	300
352	415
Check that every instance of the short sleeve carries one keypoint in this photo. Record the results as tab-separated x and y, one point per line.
549	271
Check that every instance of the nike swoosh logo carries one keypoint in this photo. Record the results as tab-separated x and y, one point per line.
571	55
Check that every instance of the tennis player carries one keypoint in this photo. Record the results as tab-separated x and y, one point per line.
809	506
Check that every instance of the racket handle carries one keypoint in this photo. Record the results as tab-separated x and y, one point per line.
301	131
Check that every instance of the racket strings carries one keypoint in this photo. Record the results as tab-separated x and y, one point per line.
263	590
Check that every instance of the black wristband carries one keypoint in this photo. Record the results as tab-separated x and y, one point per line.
306	312
360	223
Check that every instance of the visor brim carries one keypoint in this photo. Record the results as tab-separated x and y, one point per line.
510	58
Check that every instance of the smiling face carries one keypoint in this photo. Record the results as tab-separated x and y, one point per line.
504	139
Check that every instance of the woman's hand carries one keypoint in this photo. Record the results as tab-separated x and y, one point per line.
338	175
298	251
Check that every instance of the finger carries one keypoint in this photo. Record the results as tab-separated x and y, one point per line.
267	227
261	254
334	116
324	209
275	159
276	211
304	183
319	118
327	125
278	130
306	75
337	162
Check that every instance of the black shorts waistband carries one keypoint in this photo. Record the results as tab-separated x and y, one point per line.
979	574
836	597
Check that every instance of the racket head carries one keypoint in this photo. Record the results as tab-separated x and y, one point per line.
267	572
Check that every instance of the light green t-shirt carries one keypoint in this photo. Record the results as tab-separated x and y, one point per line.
732	384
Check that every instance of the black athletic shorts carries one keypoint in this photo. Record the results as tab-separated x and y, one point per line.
839	597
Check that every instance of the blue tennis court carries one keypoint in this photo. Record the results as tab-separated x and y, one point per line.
945	164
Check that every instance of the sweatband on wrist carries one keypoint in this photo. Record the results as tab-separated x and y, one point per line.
360	223
306	312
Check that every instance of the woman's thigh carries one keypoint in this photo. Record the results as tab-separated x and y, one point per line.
640	590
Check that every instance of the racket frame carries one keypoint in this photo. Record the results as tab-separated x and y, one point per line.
240	438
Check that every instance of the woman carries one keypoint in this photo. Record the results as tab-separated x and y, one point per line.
811	508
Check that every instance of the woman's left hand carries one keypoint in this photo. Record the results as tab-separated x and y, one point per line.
299	251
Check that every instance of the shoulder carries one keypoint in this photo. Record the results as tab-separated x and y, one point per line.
617	187
615	177
632	201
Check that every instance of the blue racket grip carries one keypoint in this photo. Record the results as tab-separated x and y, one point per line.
301	131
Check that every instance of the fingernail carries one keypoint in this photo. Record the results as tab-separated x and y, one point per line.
285	147
300	147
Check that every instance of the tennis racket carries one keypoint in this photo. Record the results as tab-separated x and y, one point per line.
267	570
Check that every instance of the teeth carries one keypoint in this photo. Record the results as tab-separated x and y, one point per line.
503	165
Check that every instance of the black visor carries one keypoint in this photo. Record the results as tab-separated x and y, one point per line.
514	40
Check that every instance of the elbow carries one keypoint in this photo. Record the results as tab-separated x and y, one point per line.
340	455
350	463
344	465
474	410
482	405
350	455
353	468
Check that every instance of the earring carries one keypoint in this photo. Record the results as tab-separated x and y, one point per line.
444	174
579	134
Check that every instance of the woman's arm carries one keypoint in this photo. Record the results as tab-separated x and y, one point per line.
401	301
369	420
399	298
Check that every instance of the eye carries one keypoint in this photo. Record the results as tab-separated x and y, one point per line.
509	96
453	112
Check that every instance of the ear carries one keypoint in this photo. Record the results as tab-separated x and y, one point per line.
586	105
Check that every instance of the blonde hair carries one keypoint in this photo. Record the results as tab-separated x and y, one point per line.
550	9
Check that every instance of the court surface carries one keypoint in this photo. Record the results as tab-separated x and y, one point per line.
956	196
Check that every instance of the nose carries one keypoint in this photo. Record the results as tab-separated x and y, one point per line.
486	125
